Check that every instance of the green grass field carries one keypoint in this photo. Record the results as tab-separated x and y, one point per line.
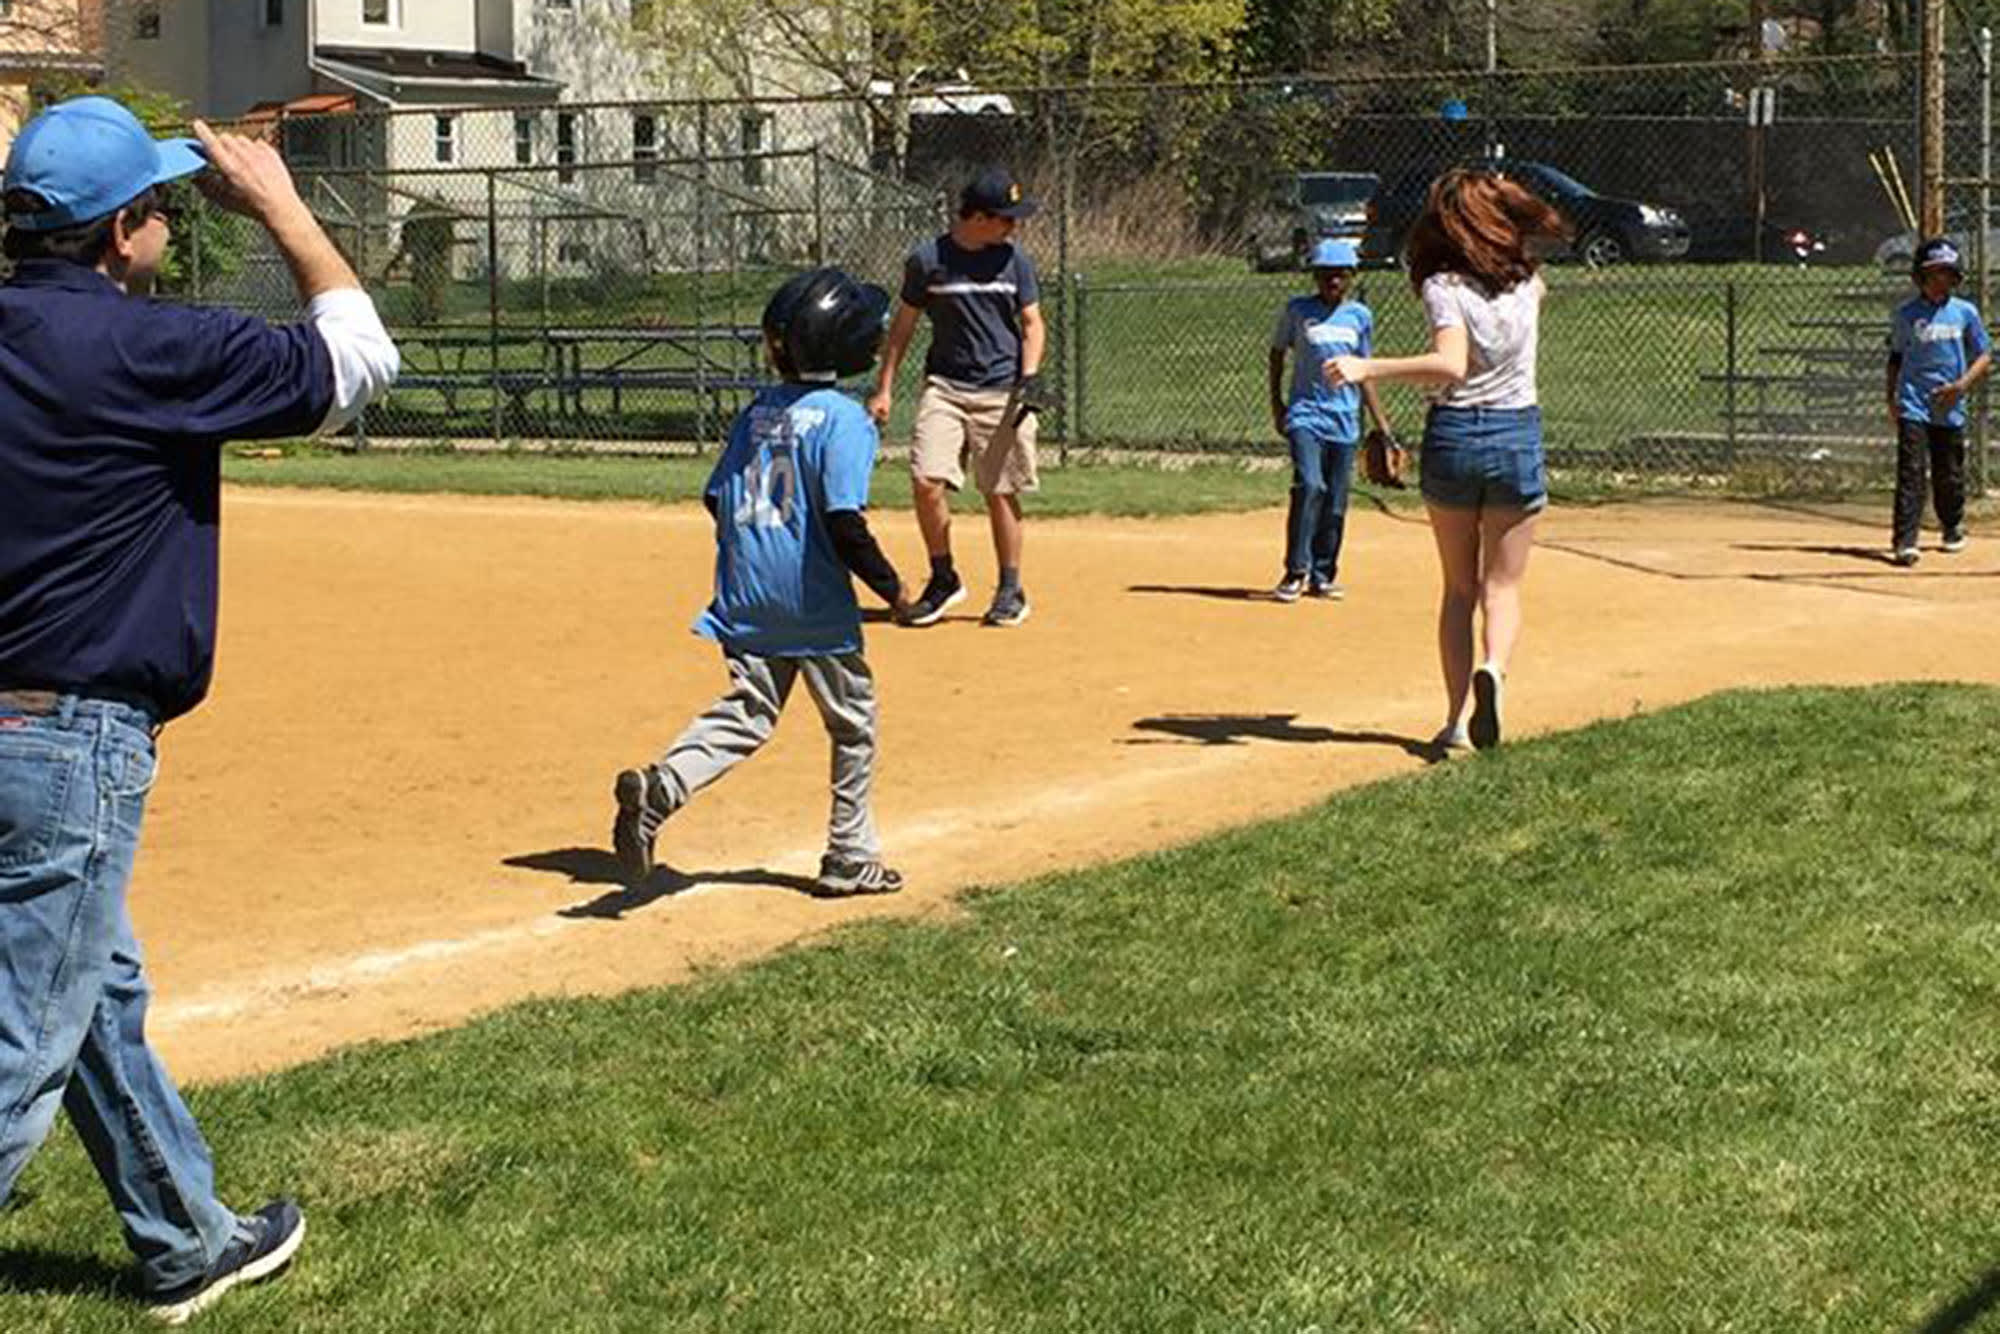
1677	1023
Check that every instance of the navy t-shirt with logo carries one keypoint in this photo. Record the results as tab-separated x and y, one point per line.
974	299
115	409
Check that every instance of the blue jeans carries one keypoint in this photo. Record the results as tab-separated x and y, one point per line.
73	786
1322	469
1479	457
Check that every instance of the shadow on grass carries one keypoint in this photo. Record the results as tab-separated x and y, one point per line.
1236	729
1965	1309
30	1270
1223	593
595	866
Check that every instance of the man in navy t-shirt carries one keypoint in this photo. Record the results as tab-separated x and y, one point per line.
1938	350
115	411
980	386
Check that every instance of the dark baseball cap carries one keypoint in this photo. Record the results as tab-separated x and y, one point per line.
1939	253
994	190
89	157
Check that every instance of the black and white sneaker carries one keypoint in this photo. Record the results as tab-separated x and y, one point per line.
941	594
643	806
1484	728
264	1244
1907	556
1326	590
1954	539
842	876
1009	607
1290	588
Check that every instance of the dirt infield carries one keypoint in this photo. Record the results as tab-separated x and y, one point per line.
393	812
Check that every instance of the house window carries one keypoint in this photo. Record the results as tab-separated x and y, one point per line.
274	13
446	128
645	147
146	20
565	147
524	138
381	13
752	131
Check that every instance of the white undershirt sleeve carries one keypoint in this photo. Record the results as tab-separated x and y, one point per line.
365	360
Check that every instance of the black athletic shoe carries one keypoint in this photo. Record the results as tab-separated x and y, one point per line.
1010	607
266	1244
1484	728
643	806
940	594
841	876
1954	539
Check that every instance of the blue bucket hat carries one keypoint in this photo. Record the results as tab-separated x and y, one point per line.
1332	254
89	157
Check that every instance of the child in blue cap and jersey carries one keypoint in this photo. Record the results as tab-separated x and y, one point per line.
1938	350
1321	424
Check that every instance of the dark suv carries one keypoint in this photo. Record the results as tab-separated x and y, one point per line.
1605	230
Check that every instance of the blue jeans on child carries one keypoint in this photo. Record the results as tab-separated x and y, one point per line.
1479	457
1322	469
73	783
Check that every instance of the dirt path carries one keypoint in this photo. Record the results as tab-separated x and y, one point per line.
393	811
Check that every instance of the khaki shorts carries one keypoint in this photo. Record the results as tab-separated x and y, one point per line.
955	424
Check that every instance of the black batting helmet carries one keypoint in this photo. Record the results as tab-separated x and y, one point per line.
824	321
1939	252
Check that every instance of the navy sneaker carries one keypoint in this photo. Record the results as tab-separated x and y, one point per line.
643	806
1289	588
1009	607
941	594
264	1244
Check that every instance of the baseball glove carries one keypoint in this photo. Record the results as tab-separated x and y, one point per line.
1382	460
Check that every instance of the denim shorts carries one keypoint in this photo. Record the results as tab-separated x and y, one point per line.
1476	457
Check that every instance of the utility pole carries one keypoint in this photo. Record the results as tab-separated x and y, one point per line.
1930	138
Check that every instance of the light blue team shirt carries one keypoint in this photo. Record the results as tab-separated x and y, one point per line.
1937	341
1314	334
797	453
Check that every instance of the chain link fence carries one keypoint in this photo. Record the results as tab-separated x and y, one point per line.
577	275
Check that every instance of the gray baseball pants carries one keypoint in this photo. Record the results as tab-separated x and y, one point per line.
737	725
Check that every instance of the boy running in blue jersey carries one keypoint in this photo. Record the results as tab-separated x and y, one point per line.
788	496
1321	424
1938	350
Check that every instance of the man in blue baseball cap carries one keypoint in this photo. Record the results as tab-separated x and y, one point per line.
1320	424
116	409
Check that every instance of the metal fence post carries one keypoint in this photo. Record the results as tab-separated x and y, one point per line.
1081	348
700	272
1729	370
492	291
1983	401
819	207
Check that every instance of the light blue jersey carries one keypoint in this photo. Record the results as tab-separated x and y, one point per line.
1937	342
1314	335
797	453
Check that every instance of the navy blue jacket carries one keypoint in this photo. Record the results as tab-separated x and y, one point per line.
113	410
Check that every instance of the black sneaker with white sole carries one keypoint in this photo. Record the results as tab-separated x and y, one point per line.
643	806
842	876
264	1244
1954	540
1009	607
941	594
1484	727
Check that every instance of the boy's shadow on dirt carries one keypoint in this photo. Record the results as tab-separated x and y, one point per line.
595	866
1237	729
1872	555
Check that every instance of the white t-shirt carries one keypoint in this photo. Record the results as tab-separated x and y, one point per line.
1500	332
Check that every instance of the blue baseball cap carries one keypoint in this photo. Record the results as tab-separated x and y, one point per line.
89	157
1332	254
994	190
